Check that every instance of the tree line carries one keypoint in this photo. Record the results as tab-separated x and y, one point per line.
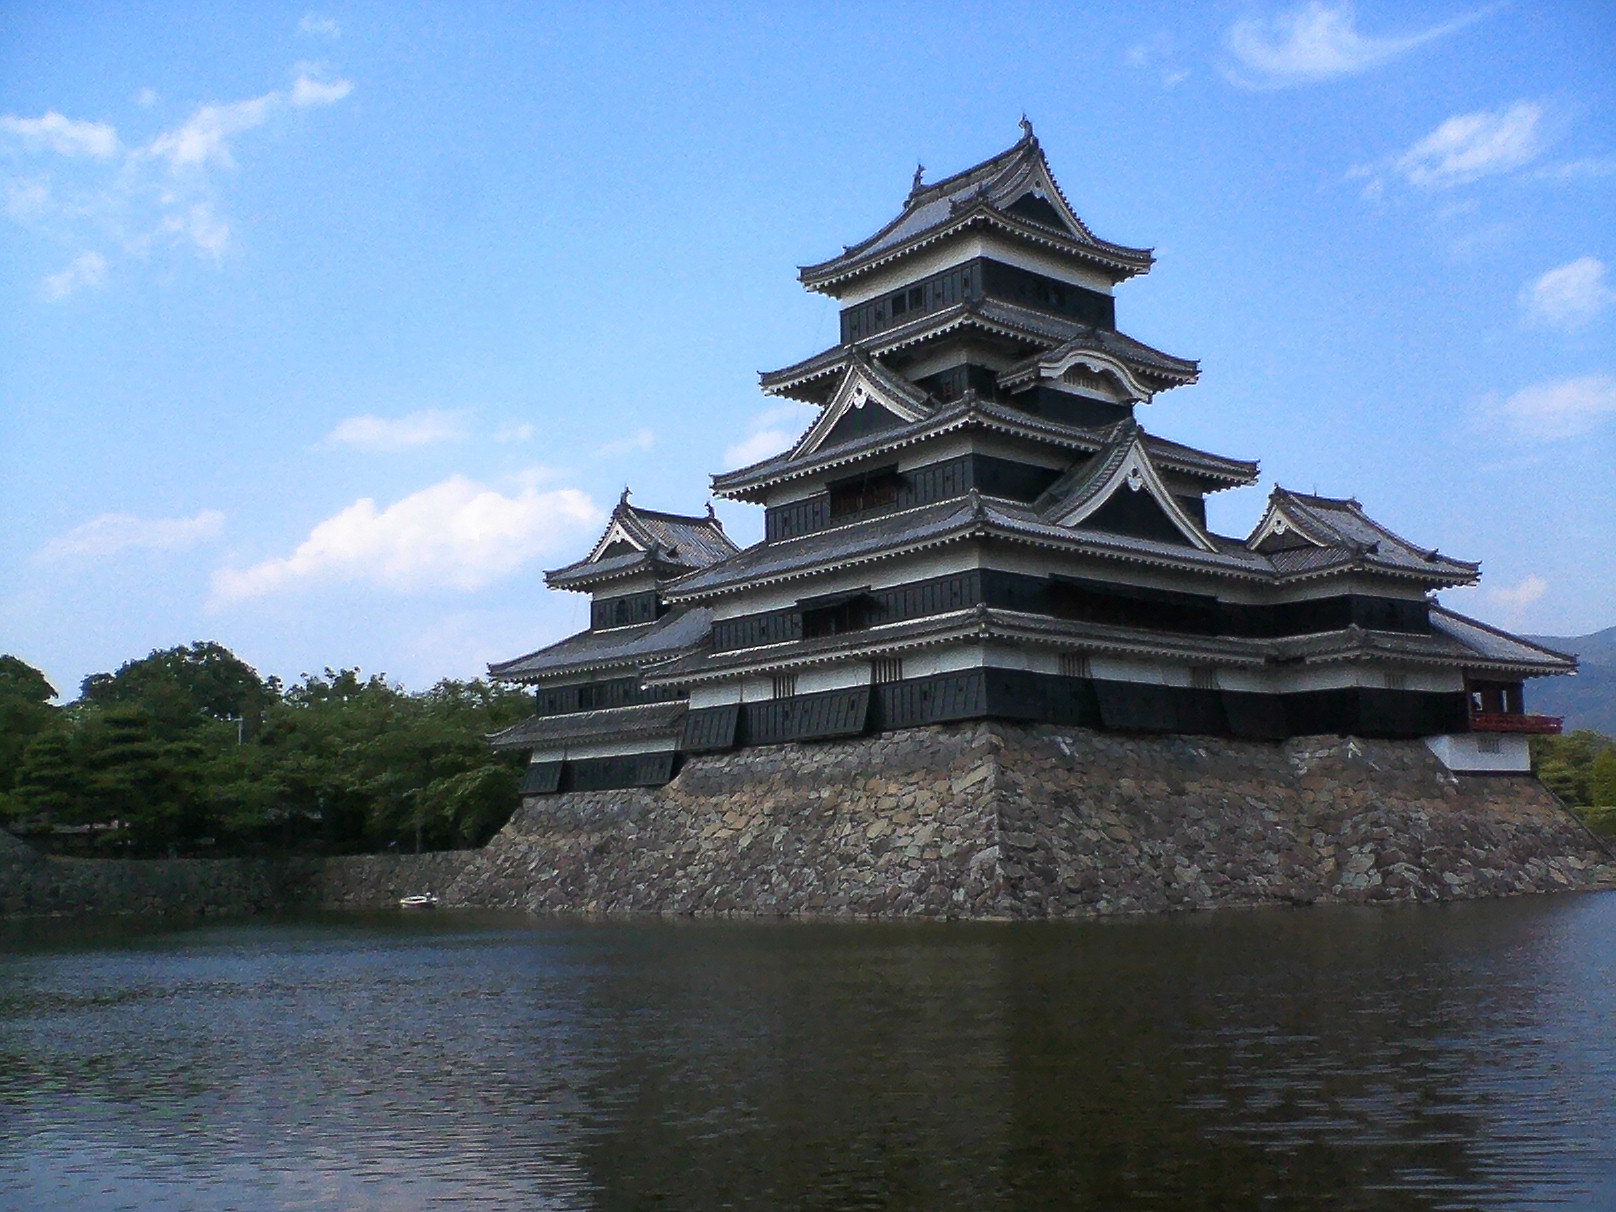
1580	768
190	751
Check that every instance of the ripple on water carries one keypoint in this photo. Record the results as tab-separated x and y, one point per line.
1439	1057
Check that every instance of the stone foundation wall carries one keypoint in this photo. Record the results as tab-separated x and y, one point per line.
968	820
34	884
1000	820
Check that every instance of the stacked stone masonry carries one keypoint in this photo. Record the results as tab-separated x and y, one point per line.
37	885
1010	821
982	820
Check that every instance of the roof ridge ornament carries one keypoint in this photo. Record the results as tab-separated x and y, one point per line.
973	497
1026	128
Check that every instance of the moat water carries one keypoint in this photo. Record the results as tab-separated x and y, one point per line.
1458	1057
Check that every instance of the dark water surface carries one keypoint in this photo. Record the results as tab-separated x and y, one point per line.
1440	1057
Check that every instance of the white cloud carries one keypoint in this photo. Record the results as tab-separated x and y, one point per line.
1568	297
320	27
204	138
87	269
114	532
757	447
1156	56
372	433
771	432
28	198
1514	600
153	194
1469	146
307	91
1591	169
1316	42
524	432
457	533
63	135
643	439
201	226
1563	408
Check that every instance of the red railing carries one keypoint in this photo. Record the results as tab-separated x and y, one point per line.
1502	721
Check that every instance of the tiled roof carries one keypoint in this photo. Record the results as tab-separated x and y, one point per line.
579	727
1175	456
824	549
1454	642
946	521
1036	329
974	412
590	572
1084	480
982	193
1344	530
1494	645
629	647
669	544
695	541
1045	333
1119	345
980	622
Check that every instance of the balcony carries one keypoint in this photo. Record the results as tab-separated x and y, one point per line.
1509	721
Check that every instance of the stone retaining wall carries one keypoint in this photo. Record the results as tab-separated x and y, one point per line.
34	884
1000	820
968	820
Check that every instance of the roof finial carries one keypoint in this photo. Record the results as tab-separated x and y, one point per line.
1026	125
623	500
712	514
920	171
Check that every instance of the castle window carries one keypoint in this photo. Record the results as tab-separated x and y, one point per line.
835	613
886	669
871	490
1076	665
1203	677
1396	681
784	685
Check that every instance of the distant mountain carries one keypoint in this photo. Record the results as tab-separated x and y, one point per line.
1589	699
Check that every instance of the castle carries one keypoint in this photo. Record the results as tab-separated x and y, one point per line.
977	526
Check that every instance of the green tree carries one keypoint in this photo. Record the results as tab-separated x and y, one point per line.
150	787
51	781
181	688
25	712
1602	780
1566	764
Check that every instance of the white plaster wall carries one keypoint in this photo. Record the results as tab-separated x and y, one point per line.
1463	752
921	566
708	695
559	753
640	582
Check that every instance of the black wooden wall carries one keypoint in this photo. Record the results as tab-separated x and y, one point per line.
1084	600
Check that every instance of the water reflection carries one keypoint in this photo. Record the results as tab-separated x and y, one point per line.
1447	1057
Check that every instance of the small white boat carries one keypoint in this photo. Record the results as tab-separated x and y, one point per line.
421	900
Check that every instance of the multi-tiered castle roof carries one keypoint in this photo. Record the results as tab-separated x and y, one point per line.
976	525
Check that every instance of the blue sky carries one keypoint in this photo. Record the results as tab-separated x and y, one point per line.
323	331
